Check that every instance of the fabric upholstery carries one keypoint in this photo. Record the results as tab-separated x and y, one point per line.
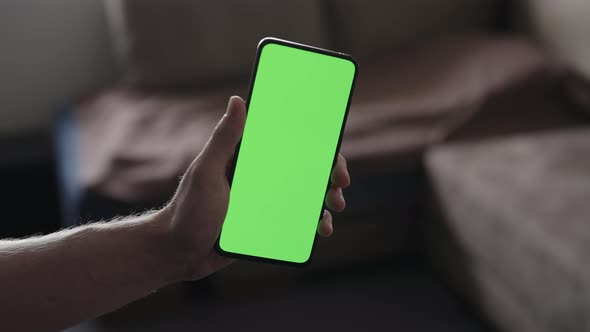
134	145
514	229
176	44
367	28
563	26
412	99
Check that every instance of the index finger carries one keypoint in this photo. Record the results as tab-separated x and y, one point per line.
340	177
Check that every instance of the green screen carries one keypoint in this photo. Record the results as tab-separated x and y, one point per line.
295	115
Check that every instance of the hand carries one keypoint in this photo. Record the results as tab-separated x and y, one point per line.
196	213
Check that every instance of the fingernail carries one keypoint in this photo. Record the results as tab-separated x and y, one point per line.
231	106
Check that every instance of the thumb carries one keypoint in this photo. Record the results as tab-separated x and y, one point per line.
228	132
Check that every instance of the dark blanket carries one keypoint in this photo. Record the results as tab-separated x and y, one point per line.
135	145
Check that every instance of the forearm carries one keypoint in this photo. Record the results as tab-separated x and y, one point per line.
50	282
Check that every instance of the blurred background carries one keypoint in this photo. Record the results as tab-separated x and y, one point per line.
467	141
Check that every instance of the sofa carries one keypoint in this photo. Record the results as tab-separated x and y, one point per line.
431	73
180	62
514	237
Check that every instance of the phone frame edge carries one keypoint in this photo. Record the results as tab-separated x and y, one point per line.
263	42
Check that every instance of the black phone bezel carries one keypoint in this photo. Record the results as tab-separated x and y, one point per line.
263	42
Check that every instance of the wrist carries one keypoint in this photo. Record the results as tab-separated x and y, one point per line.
171	256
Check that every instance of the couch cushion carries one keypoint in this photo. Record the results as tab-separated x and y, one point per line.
365	28
407	101
179	43
401	105
515	231
563	26
134	145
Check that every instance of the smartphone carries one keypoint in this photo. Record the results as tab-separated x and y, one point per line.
296	110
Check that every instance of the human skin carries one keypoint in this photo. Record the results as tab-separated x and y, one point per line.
51	282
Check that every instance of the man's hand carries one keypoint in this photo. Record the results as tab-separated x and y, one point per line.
195	214
86	271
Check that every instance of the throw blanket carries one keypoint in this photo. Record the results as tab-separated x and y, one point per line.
135	145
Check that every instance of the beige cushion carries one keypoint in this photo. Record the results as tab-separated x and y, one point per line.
178	43
565	28
514	233
363	28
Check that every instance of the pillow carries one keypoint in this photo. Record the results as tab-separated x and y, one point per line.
181	43
365	28
564	27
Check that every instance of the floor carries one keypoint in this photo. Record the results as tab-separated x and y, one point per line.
386	296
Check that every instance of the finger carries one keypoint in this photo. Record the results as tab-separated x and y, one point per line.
222	144
340	176
335	199
218	262
325	227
